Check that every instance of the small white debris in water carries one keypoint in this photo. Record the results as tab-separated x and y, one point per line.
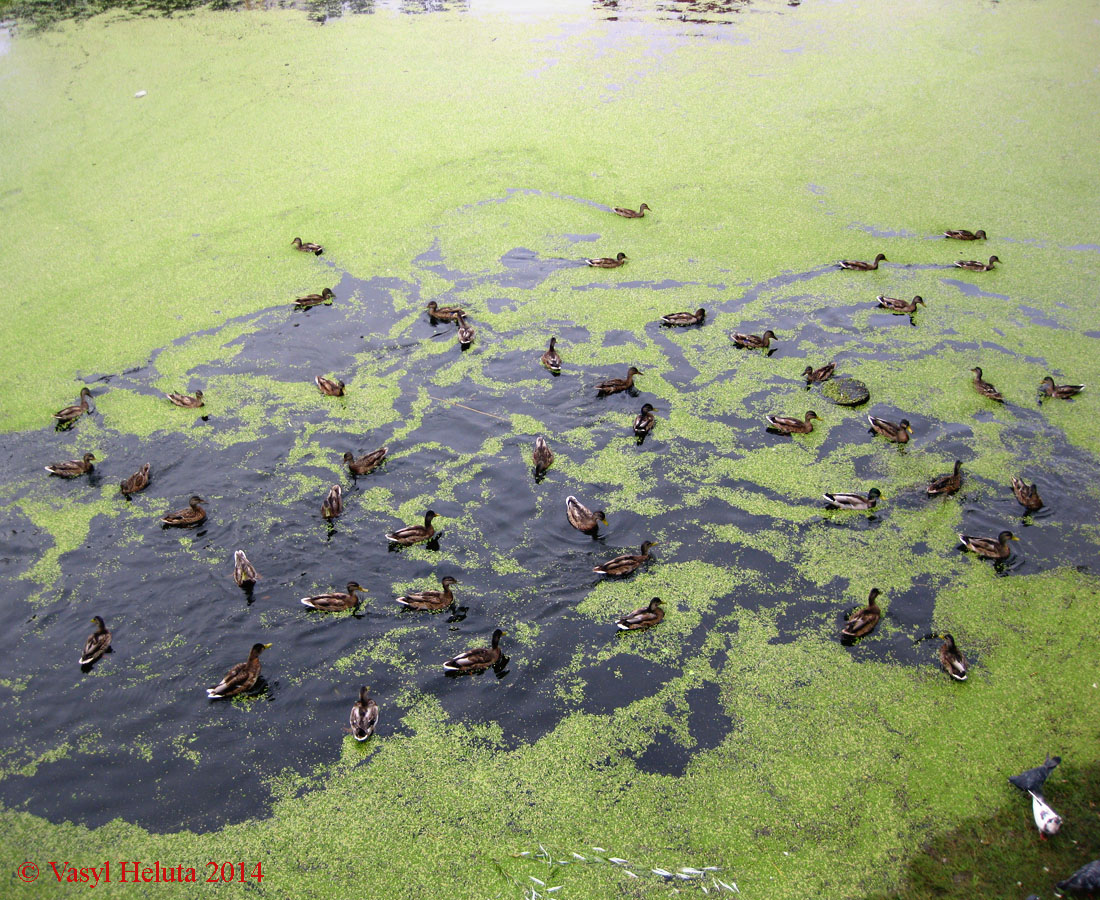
140	94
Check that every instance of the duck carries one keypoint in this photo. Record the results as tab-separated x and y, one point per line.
329	386
365	464
961	234
186	400
790	425
684	319
898	306
861	266
606	262
1060	391
190	515
898	432
139	481
946	484
990	548
242	677
973	265
863	620
551	359
97	644
307	247
431	600
444	313
333	504
72	468
951	658
646	617
1085	880
630	213
813	375
542	457
364	716
70	414
644	421
337	601
465	331
753	341
478	659
984	388
1027	494
581	517
627	563
244	573
326	296
855	501
414	534
617	385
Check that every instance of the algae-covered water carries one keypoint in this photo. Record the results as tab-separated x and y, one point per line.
472	156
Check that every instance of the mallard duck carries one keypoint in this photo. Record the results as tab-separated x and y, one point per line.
790	425
863	620
685	318
364	716
627	563
860	266
952	659
1060	391
333	504
947	484
542	457
365	464
961	234
898	306
186	400
898	432
307	247
242	677
70	414
326	296
329	386
629	213
1027	494
190	515
581	517
337	601
72	468
974	266
616	385
753	341
984	387
1085	880
444	313
431	600
551	358
477	660
244	573
644	421
97	643
855	501
823	374
646	617
989	547
414	534
139	481
606	262
465	331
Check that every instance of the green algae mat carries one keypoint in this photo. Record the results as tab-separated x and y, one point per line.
155	171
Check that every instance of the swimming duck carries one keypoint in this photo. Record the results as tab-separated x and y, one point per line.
1060	391
790	425
1085	880
898	432
244	573
70	414
431	600
581	517
444	313
72	468
465	331
414	534
186	400
898	306
364	716
97	643
616	385
551	358
863	620
139	481
984	387
627	563
974	266
605	262
1027	494
629	213
823	374
329	386
860	266
753	341
646	617
192	514
644	421
947	484
326	296
854	501
952	659
542	457
685	318
477	660
961	234
337	601
988	547
333	504
242	677
365	464
307	247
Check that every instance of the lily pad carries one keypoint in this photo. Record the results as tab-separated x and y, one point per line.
845	391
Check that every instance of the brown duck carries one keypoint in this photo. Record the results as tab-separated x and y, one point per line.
946	484
365	464
630	213
192	514
72	468
139	481
70	414
186	400
551	358
961	234
241	678
326	296
646	617
477	660
431	600
1027	494
974	265
791	425
1060	391
627	563
307	247
606	262
860	266
753	341
328	386
863	620
984	388
617	385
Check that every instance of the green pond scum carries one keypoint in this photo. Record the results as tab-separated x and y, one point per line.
471	157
